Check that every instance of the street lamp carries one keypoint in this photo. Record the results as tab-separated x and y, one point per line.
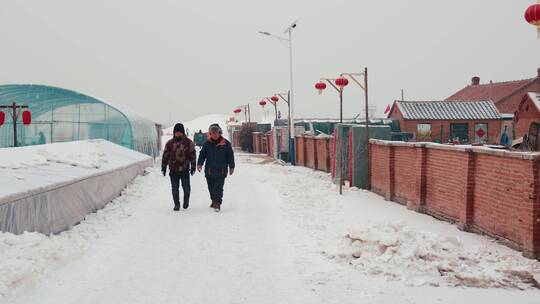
288	43
286	97
364	87
272	102
337	83
246	109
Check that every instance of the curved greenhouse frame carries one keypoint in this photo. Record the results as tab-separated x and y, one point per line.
60	115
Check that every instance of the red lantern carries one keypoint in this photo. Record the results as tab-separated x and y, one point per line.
2	118
262	103
320	86
342	82
236	111
532	15
26	117
274	98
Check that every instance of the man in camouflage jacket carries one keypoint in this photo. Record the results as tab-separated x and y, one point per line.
180	156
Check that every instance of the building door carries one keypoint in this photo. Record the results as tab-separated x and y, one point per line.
459	131
481	133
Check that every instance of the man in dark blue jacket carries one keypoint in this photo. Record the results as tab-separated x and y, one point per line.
218	154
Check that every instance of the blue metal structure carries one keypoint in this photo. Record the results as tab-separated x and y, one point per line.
60	115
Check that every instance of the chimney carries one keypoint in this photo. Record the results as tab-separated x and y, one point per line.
475	81
538	72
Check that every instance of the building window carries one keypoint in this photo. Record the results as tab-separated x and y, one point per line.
459	133
423	130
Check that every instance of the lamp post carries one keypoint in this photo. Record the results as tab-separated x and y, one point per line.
286	97
247	111
338	84
263	103
274	103
364	87
288	42
15	113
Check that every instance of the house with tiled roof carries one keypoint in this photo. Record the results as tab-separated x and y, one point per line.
528	112
445	121
506	95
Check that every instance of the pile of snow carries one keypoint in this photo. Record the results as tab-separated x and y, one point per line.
27	255
400	253
201	123
85	154
24	169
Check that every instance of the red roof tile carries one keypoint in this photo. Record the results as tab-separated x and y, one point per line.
491	91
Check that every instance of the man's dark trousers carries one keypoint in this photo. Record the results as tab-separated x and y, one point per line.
176	177
215	187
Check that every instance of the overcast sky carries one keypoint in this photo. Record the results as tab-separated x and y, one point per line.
181	59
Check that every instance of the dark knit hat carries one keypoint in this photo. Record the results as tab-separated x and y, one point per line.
215	128
179	128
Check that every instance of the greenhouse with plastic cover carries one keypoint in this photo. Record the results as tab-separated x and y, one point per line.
60	115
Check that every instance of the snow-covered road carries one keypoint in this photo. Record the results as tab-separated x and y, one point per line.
279	239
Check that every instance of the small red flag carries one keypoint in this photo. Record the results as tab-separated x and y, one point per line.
387	109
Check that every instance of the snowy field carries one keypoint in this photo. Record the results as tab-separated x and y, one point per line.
284	236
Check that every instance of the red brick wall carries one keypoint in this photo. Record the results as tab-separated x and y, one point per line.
236	139
270	145
323	146
504	209
257	146
446	172
311	152
314	152
404	177
380	162
495	192
300	151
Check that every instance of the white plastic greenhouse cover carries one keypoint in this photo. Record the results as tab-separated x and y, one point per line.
50	188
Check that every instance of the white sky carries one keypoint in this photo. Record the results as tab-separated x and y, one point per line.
181	59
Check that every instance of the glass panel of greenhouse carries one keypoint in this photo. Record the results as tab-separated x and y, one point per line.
60	115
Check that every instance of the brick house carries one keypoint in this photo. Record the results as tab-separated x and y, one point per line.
528	112
506	95
439	121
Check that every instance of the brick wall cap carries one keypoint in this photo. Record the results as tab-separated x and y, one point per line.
459	148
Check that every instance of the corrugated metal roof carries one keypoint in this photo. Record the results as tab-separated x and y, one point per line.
443	110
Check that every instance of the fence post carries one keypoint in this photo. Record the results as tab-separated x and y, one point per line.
467	208
531	246
418	202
